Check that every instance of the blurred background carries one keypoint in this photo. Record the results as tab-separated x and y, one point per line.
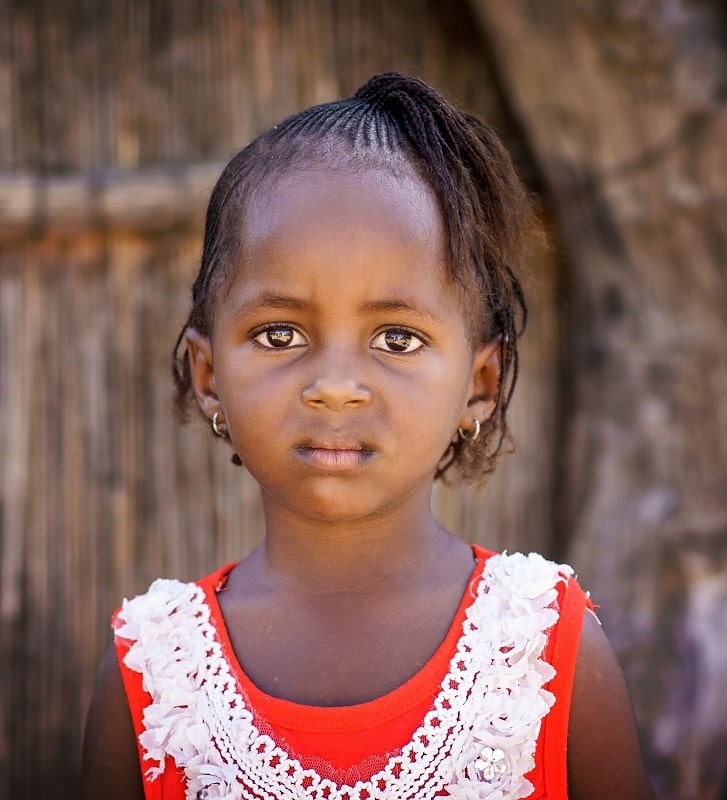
116	118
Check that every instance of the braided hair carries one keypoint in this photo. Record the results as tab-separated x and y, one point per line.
399	123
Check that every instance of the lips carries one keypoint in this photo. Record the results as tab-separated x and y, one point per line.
334	456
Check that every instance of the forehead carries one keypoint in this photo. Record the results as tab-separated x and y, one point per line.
337	215
345	236
301	202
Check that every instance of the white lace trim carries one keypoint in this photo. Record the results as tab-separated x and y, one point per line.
478	740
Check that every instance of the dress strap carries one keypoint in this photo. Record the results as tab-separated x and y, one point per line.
138	699
564	654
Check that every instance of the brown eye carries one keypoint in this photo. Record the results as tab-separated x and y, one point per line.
280	337
397	340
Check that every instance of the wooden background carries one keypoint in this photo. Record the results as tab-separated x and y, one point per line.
115	119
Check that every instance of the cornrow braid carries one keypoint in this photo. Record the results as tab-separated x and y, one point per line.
398	123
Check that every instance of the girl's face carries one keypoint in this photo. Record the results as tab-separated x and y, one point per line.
340	357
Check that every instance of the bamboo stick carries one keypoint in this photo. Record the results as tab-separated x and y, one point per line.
148	201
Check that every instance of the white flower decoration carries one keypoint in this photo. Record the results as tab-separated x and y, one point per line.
490	763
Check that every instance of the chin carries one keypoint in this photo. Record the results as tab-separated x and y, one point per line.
335	504
334	511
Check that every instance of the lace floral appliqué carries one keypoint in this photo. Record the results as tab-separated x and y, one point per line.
478	740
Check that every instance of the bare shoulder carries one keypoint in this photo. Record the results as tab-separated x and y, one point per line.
110	769
604	756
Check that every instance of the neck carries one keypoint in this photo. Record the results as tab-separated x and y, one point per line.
320	557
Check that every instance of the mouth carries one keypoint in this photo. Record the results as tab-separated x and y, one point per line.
334	457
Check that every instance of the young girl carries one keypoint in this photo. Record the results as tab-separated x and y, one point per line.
353	337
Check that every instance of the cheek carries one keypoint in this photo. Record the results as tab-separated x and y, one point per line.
251	401
440	395
244	380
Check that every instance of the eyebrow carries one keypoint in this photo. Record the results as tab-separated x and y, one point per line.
264	301
375	306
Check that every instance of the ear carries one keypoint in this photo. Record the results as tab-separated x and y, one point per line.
202	371
485	383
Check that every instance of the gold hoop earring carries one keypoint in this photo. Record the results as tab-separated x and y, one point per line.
468	438
219	428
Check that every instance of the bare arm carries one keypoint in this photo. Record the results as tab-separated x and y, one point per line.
110	769
604	757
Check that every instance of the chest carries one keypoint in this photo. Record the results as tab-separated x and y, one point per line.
338	652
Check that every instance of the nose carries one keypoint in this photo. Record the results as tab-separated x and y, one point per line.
336	393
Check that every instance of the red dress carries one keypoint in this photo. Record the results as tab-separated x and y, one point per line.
349	746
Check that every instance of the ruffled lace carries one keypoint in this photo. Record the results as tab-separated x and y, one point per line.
478	740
